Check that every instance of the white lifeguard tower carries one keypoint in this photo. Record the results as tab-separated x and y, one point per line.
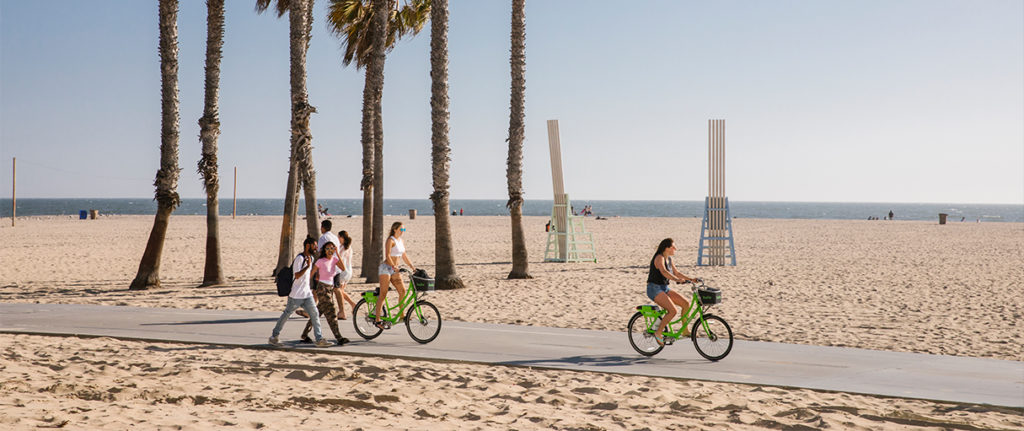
716	244
568	239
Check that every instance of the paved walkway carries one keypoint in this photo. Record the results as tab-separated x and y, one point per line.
910	375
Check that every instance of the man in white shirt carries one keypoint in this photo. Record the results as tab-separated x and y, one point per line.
326	235
301	295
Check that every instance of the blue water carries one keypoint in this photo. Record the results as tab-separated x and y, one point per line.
787	210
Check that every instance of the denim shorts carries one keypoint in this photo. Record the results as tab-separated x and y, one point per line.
654	289
386	269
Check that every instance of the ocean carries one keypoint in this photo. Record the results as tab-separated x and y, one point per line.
604	208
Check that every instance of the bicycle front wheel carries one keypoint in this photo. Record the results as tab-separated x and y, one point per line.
425	324
362	321
714	343
640	338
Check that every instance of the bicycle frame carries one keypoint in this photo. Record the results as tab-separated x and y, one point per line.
411	298
696	310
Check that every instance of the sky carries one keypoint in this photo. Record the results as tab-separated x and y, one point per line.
824	101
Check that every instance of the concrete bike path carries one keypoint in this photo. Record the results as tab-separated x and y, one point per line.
898	374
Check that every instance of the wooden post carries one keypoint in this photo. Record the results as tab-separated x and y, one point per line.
234	198
561	217
716	228
14	189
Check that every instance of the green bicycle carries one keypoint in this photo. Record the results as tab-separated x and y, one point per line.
710	334
422	319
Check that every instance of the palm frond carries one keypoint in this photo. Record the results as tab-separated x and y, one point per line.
349	20
281	6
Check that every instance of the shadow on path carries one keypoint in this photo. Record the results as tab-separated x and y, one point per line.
595	361
214	322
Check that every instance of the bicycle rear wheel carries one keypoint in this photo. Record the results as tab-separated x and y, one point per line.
425	325
362	321
714	343
640	338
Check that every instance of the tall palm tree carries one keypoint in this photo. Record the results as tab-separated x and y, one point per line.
444	257
516	130
378	43
354	22
300	166
166	182
209	129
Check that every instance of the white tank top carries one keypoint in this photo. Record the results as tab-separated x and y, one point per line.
398	249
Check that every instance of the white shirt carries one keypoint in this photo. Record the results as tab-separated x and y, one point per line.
398	249
300	286
346	258
323	240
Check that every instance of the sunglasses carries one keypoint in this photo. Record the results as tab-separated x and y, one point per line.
402	229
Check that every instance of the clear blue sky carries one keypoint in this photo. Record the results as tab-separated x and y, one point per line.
868	101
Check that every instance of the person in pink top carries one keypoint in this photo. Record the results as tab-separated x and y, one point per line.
324	270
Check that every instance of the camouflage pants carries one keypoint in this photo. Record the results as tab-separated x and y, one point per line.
325	304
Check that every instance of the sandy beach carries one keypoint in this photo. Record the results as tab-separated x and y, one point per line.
890	285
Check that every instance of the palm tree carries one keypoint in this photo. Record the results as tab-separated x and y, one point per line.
378	42
516	130
166	182
300	166
354	22
444	258
209	128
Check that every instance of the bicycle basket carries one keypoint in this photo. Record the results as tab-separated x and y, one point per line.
710	295
423	284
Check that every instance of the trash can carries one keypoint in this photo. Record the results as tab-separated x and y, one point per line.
412	214
942	218
83	214
94	214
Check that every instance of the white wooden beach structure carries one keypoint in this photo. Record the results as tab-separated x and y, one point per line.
568	239
716	243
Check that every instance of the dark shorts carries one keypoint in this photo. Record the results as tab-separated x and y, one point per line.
654	289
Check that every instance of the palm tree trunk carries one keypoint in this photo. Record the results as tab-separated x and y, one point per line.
375	70
377	239
516	130
444	257
167	176
288	222
300	25
209	129
369	266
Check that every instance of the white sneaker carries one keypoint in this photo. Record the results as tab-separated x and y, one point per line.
274	341
323	343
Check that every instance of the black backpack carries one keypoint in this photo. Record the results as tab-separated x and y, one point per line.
284	279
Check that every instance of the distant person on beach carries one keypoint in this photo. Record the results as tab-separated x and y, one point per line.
301	295
324	270
460	211
322	210
659	274
890	214
394	250
341	280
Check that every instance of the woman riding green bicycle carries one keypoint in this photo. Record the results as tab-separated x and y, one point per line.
660	273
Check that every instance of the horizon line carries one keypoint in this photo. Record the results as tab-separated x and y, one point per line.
302	199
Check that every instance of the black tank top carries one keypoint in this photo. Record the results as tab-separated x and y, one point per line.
655	276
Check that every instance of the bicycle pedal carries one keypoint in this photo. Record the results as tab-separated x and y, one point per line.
669	341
